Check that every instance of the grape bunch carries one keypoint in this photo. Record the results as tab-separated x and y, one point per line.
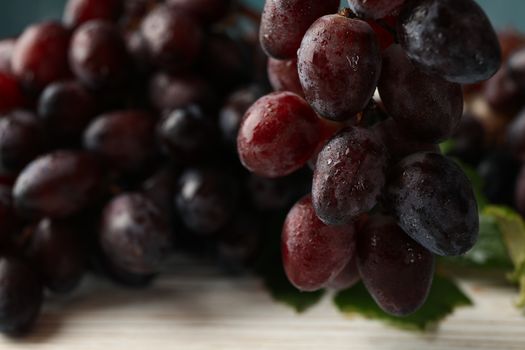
363	96
117	146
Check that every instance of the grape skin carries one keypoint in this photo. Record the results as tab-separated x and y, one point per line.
339	64
375	8
77	12
426	106
395	269
349	176
434	203
451	38
283	76
312	252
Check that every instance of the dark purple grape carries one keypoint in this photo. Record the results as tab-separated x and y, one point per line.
134	235
469	140
8	220
188	133
168	92
66	109
503	93
515	138
20	296
339	64
78	12
57	252
499	170
395	269
425	106
58	184
206	199
376	8
232	113
40	55
22	139
173	38
314	253
124	139
516	66
397	143
347	278
349	176
10	90
284	76
206	10
98	55
160	189
284	22
434	203
451	38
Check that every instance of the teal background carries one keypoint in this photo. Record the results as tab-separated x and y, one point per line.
16	14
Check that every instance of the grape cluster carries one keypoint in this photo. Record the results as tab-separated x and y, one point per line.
364	96
117	146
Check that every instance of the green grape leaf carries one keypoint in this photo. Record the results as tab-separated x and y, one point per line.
444	297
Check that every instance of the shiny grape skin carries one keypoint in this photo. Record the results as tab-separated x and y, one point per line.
233	110
347	278
187	134
40	55
98	55
58	184
426	106
283	76
11	93
375	8
7	47
168	92
339	65
397	143
57	252
451	38
134	235
173	38
77	12
206	199
208	11
66	108
22	139
278	135
349	176
284	23
395	269
21	296
312	252
124	139
434	203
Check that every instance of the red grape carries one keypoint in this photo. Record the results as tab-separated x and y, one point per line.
283	76
375	8
10	94
278	135
78	12
339	65
314	253
347	278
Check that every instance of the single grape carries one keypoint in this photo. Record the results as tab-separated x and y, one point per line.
314	253
134	235
40	55
22	139
98	55
375	8
395	269
188	133
58	184
347	278
499	170
66	108
349	176
503	93
339	64
283	76
397	143
434	203
173	38
7	48
206	199
451	38
78	12
206	10
168	92
11	96
284	22
20	296
124	139
56	251
278	135
426	106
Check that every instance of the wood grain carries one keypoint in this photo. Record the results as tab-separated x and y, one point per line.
197	307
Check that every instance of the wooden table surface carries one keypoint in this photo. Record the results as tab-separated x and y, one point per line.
198	307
